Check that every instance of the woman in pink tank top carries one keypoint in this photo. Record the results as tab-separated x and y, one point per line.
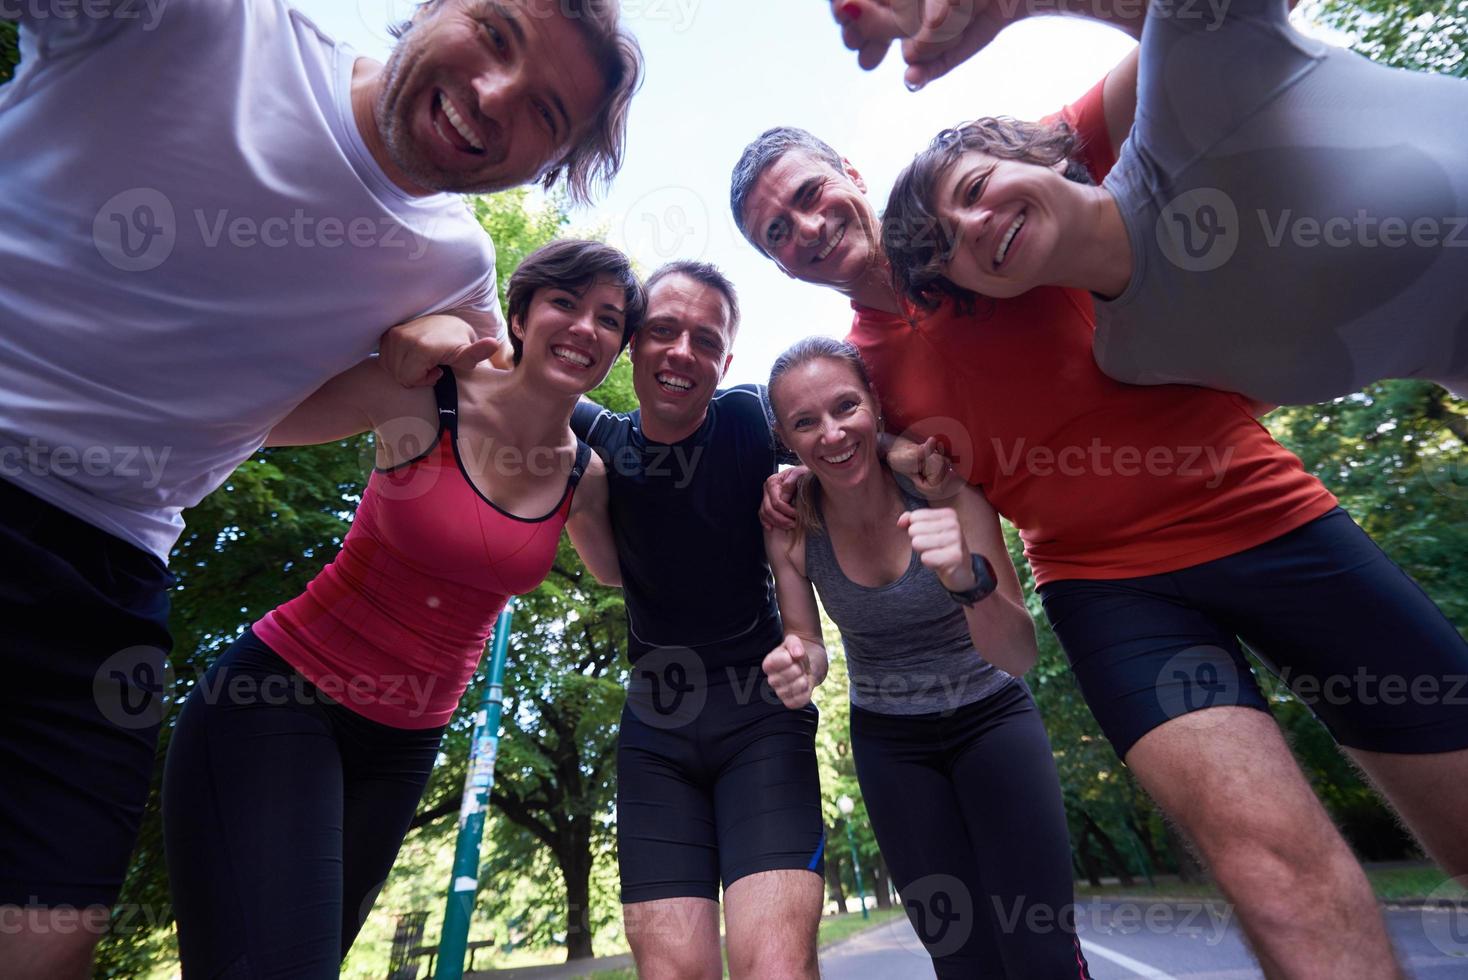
299	759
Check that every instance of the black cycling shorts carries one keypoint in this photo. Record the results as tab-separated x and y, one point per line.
84	650
1350	633
716	779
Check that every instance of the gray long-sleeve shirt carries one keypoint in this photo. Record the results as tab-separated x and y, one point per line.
1298	215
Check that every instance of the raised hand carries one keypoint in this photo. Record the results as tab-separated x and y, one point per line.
412	352
925	465
936	35
937	537
788	669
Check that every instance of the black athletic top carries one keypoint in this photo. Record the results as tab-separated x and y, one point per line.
685	517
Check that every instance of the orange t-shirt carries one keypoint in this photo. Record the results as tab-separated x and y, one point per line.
1104	480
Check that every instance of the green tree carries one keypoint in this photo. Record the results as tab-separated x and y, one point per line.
1426	35
9	50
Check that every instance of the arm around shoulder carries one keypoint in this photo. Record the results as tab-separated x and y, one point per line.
590	525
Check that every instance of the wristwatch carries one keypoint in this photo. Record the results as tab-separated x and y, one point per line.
984	583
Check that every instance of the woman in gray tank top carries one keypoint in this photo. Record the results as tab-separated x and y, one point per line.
953	760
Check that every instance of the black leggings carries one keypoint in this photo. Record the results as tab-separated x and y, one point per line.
967	809
282	814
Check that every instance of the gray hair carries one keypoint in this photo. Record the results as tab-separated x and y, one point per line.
760	155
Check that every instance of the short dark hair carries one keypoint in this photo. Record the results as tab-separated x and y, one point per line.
573	264
768	148
595	158
703	273
917	241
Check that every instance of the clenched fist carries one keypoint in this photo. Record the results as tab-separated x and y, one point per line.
787	667
937	537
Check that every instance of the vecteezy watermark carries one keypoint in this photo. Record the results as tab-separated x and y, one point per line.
34	918
1445	917
1198	677
133	687
135	230
941	910
1447	472
1199	230
148	12
667	223
884	692
1365	687
1210	11
1099	459
668	688
138	229
143	464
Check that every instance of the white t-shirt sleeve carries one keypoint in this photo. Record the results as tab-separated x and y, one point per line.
57	30
482	309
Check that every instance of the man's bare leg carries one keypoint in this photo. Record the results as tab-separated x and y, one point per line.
772	919
675	938
50	944
1430	793
1228	779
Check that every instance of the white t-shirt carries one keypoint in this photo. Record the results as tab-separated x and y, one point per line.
193	238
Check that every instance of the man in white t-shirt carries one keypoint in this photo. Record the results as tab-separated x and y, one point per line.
211	208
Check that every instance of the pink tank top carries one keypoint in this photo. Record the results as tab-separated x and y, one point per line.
394	627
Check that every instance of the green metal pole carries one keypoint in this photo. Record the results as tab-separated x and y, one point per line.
856	867
483	748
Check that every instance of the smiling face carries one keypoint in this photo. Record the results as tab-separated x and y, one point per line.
680	354
1005	217
830	419
815	222
572	339
483	95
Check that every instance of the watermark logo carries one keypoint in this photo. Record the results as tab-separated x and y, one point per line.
1197	678
1198	230
133	686
941	910
135	230
1445	917
667	223
668	687
1447	473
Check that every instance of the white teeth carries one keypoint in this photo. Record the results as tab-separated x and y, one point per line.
843	457
673	381
831	245
575	357
1003	248
458	123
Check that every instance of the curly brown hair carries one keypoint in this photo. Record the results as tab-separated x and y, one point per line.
917	240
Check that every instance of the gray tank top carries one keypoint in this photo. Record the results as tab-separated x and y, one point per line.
908	650
1298	215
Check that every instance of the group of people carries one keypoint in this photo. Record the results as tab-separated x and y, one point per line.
1030	292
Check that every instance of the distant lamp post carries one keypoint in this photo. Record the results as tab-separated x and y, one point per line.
846	805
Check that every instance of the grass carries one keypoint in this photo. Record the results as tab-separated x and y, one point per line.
835	928
1391	884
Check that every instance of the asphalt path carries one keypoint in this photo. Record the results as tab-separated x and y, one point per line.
1162	941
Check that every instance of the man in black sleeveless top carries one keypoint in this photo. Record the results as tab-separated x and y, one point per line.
717	782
